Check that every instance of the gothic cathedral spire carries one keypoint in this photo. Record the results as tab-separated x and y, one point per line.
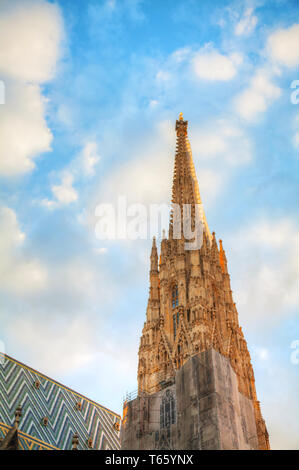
185	189
191	342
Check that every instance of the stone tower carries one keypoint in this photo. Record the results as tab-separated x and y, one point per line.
196	387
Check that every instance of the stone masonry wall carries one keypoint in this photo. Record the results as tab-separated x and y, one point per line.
203	409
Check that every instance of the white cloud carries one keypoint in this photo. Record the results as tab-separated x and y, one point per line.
283	46
247	23
23	133
84	163
64	193
209	64
18	274
267	271
257	97
30	36
30	33
10	231
89	157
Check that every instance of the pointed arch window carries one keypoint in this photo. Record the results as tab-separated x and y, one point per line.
188	315
176	320
167	410
175	296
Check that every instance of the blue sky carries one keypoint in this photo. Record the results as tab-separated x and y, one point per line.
92	92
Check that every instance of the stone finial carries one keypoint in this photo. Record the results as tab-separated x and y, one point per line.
75	441
18	415
154	256
222	257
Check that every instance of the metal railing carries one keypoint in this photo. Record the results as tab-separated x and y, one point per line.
129	396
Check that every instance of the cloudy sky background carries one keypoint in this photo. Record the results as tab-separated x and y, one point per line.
93	89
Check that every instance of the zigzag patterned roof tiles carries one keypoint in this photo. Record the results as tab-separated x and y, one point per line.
56	402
